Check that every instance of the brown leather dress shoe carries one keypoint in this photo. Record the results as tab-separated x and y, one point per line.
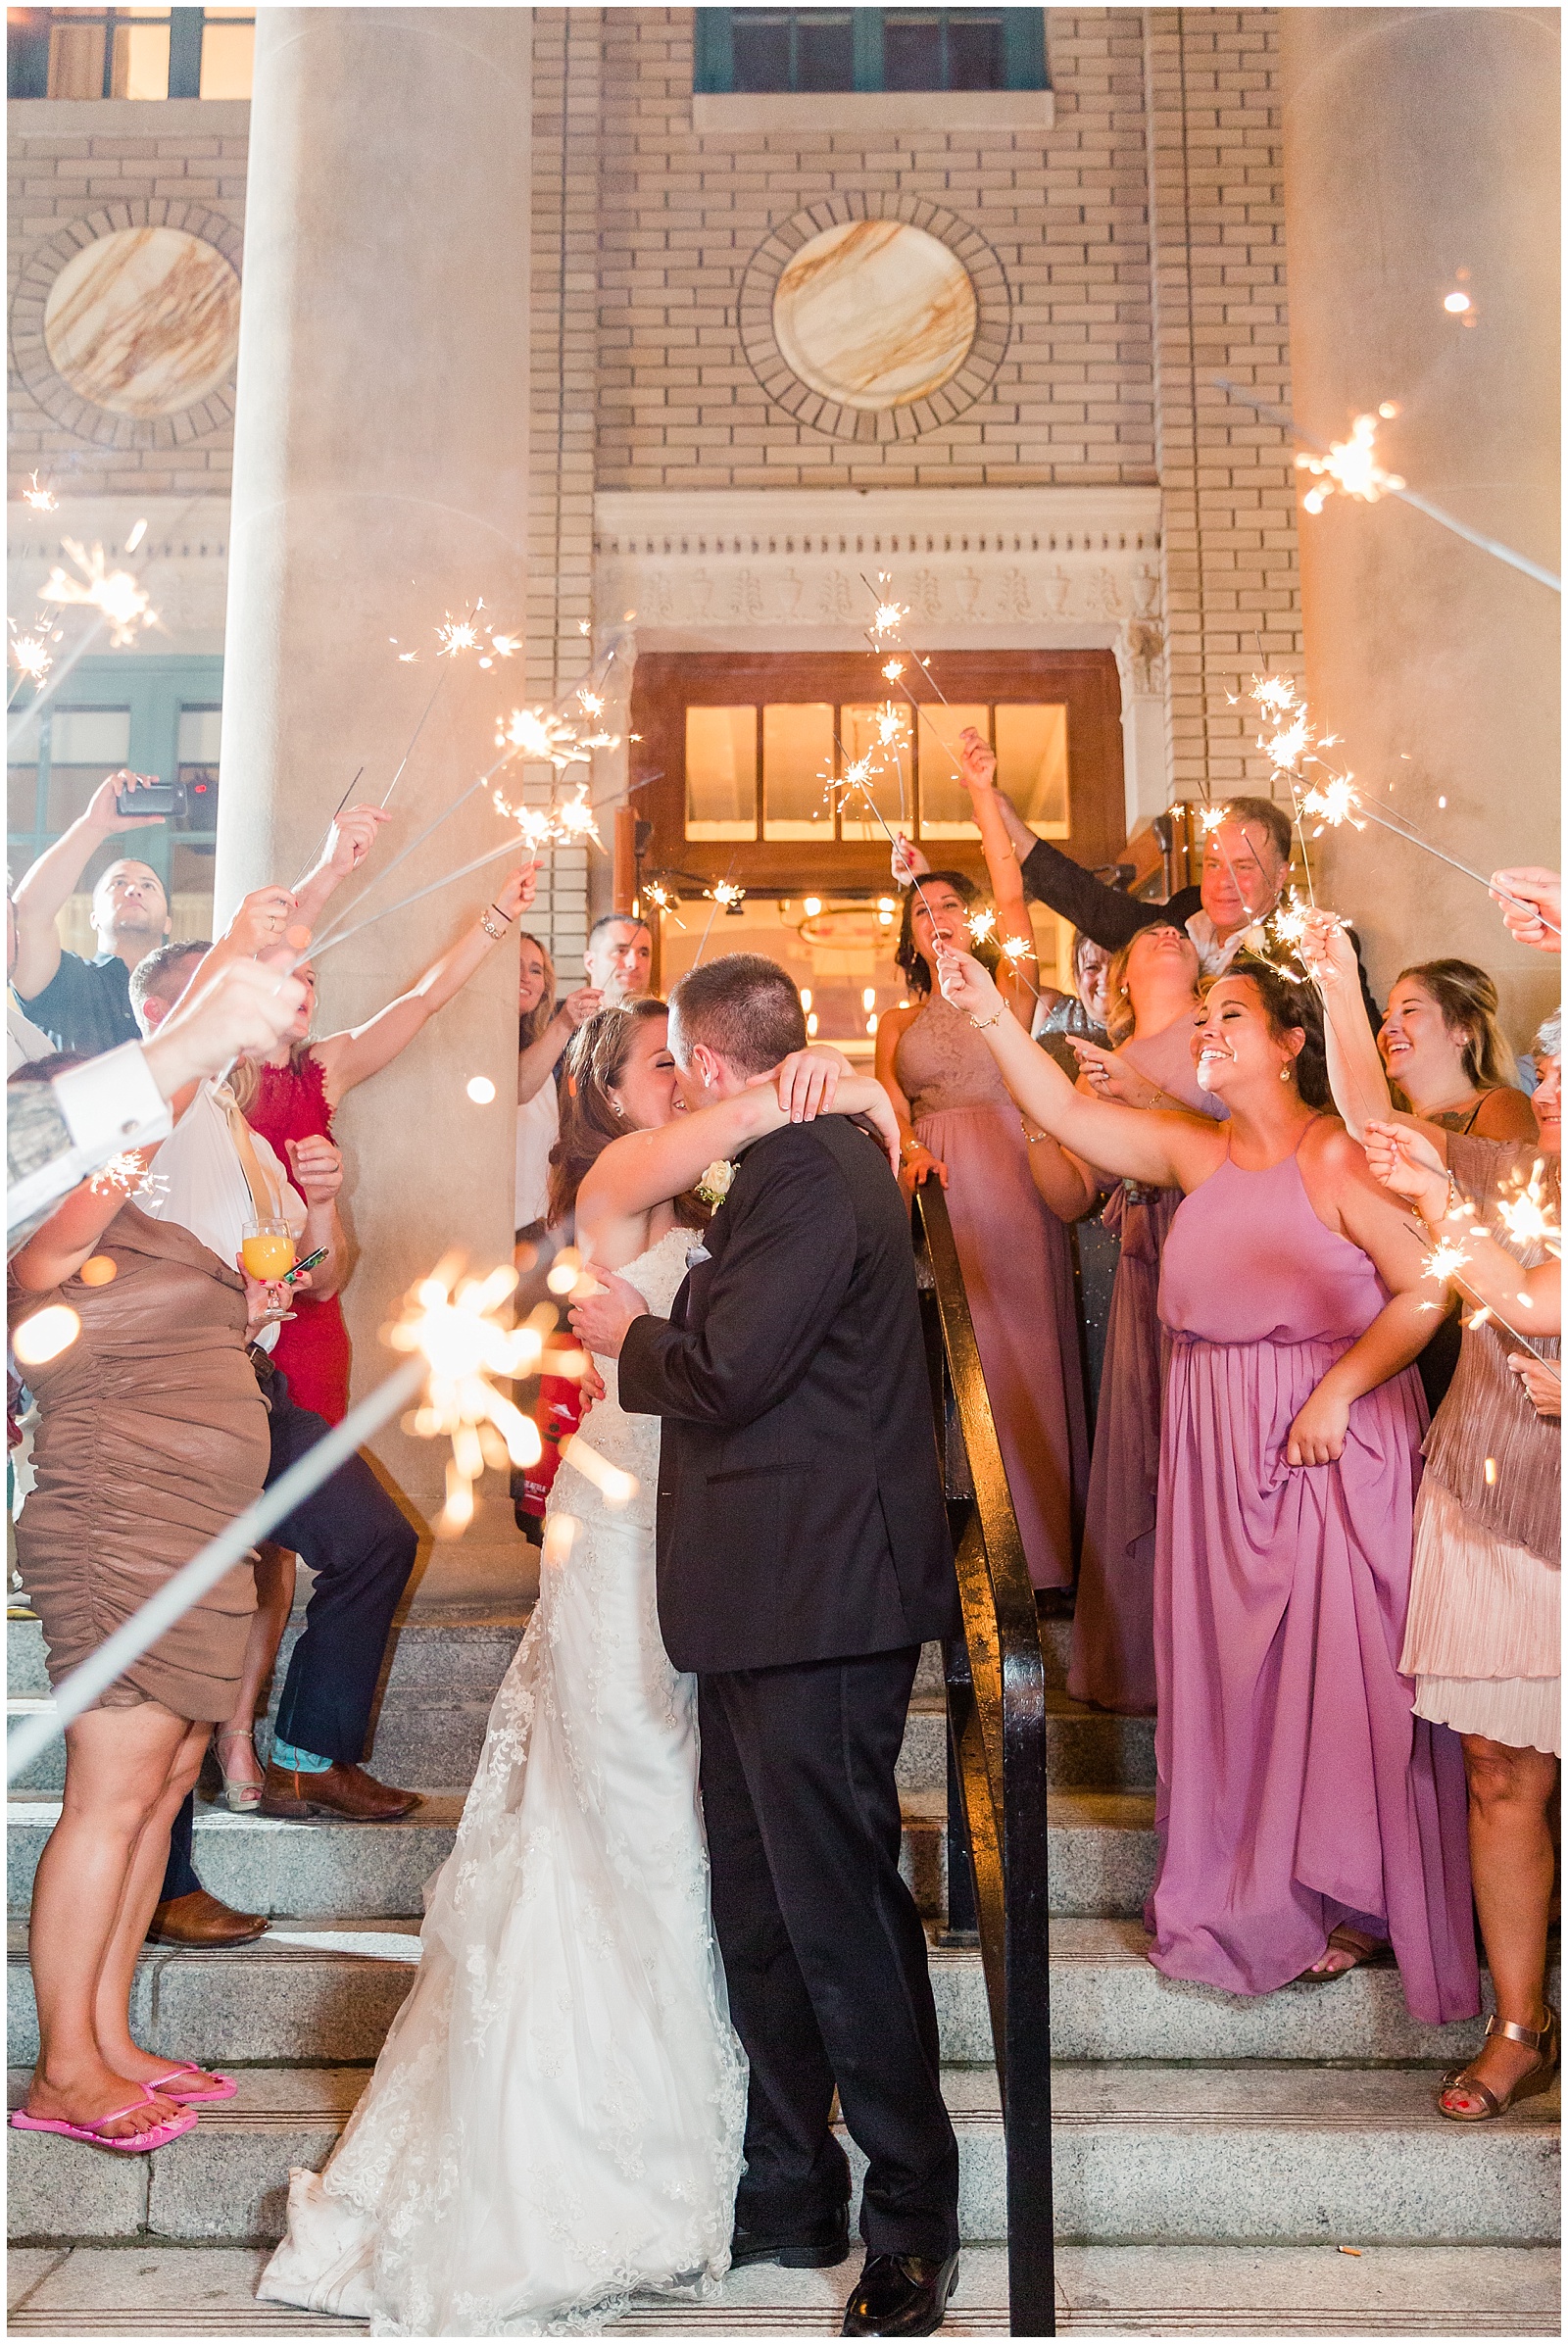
344	1790
199	1920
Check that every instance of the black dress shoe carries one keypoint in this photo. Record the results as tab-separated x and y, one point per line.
900	2295
816	2248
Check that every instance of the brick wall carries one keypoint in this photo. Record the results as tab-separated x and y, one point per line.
681	215
156	155
1231	592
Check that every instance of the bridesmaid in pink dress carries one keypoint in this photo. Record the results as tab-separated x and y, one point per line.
959	1124
1154	996
1305	1816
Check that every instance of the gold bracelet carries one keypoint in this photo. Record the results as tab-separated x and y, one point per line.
983	1025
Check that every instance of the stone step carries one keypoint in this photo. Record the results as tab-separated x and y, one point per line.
439	1742
1100	2290
443	1676
319	1992
1175	2154
1099	1846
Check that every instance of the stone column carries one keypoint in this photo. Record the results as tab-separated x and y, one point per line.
1419	142
381	483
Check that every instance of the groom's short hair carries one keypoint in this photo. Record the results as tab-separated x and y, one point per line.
743	1006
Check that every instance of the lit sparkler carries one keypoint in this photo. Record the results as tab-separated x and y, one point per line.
43	500
124	604
1529	1219
32	657
453	1320
544	737
982	924
128	1173
893	670
1352	465
456	635
726	895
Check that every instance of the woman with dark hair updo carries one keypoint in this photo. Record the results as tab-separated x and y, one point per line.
1306	1817
956	1120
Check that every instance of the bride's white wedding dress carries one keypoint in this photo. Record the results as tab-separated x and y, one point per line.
556	2118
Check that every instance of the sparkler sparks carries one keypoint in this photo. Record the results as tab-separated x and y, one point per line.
569	824
893	670
32	657
726	895
43	500
124	602
1528	1218
453	1321
130	1175
1336	801
982	925
456	635
1350	465
888	618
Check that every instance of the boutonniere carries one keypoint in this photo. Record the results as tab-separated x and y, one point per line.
714	1185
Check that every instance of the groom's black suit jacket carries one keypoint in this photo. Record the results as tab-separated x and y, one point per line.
800	1507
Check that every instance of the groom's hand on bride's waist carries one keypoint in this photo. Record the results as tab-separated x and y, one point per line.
600	1320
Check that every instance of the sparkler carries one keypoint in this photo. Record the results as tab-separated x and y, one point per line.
32	657
1406	496
1337	802
1528	1218
43	500
726	895
451	1321
121	600
1447	1262
1352	465
130	1175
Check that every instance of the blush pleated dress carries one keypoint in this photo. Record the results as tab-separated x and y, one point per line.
1297	1789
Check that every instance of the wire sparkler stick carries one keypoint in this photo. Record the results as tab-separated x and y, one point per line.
1392	488
314	952
326	833
415	735
1339	802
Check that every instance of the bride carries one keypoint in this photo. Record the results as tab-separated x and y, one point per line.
556	2118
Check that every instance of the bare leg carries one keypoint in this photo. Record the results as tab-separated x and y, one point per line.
274	1599
1511	1869
117	1771
144	1879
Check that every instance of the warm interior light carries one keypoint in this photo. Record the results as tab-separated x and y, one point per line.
1456	303
806	997
868	998
811	906
811	1025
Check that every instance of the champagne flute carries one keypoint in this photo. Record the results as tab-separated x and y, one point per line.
267	1251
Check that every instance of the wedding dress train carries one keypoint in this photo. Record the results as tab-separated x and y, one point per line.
556	2116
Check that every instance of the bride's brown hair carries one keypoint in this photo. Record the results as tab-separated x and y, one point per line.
596	1061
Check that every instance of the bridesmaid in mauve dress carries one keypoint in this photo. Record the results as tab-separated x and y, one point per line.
1017	1266
1154	996
1305	1815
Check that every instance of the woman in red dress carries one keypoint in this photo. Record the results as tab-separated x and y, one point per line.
290	1098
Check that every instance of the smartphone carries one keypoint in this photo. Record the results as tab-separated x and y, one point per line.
309	1263
167	797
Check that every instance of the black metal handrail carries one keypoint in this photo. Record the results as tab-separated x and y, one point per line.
998	1872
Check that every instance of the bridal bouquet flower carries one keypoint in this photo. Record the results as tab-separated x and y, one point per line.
713	1187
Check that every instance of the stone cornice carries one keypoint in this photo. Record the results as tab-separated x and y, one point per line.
1007	568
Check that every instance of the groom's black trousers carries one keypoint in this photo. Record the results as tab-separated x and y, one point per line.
823	1948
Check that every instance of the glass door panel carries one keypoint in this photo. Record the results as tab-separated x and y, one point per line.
944	810
798	769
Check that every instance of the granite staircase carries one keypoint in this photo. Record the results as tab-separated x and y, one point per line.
1222	2166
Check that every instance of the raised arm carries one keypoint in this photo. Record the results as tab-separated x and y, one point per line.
41	895
353	1056
1356	1077
977	771
348	842
1167	1150
70	1234
1104	912
648	1168
537	1062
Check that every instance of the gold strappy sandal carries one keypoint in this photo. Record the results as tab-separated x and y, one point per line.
1543	2041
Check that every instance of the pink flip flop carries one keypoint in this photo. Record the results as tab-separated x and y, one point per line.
218	2087
133	2144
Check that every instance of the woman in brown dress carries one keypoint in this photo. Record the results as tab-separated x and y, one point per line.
153	1437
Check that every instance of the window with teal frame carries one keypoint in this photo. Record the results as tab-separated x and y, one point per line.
797	51
157	714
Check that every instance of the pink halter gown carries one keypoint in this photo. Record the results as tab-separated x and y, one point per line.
1295	1787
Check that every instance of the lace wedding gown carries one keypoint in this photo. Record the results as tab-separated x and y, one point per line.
556	2118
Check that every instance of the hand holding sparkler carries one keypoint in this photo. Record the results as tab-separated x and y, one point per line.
1406	1163
908	864
1327	953
977	762
966	985
1531	900
1540	1379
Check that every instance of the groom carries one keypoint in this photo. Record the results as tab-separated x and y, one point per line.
803	1559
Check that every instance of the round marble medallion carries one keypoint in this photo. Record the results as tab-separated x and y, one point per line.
874	313
144	321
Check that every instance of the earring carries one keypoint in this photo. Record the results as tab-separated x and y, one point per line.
1285	1074
616	1109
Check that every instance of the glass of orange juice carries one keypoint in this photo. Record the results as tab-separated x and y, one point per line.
267	1249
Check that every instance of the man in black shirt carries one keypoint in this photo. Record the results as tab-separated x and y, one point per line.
85	1005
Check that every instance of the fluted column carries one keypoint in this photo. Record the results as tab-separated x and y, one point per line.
1420	142
381	483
